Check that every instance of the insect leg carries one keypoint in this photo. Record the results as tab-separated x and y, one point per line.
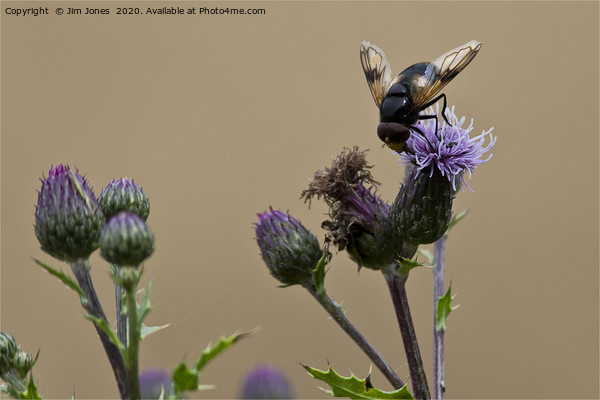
432	102
420	132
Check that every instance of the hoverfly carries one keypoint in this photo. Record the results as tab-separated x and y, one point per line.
401	99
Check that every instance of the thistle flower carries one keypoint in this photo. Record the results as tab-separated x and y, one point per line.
153	382
357	213
448	151
290	251
124	195
126	240
266	382
437	162
67	217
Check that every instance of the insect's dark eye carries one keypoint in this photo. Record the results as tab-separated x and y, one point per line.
393	132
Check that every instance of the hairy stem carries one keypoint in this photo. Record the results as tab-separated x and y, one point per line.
397	287
439	388
81	270
339	317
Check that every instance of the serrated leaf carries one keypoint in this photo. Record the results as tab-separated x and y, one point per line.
112	336
319	274
443	310
65	279
405	265
211	351
353	387
184	379
147	330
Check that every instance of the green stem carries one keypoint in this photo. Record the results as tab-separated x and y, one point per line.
81	270
397	287
121	317
339	317
133	343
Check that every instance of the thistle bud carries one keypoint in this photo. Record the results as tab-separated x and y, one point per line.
290	251
14	365
266	382
124	195
8	352
23	363
68	220
126	240
423	208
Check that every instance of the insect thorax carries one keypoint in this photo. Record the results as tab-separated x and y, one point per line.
397	106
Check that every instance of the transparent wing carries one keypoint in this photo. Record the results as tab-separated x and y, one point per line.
377	70
443	70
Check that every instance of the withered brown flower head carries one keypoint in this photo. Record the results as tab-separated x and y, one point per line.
357	214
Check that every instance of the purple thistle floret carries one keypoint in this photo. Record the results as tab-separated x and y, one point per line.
68	219
288	249
450	150
266	382
153	382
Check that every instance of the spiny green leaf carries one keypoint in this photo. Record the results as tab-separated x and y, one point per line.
353	387
146	330
319	274
184	379
65	279
456	219
443	310
405	265
112	336
211	351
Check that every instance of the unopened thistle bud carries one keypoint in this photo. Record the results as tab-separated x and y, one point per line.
23	363
68	220
290	251
8	352
14	365
124	195
126	240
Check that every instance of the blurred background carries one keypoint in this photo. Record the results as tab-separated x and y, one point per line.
219	117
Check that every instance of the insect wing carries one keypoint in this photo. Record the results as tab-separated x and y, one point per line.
377	70
441	71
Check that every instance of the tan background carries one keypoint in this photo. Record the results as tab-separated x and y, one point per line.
218	117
